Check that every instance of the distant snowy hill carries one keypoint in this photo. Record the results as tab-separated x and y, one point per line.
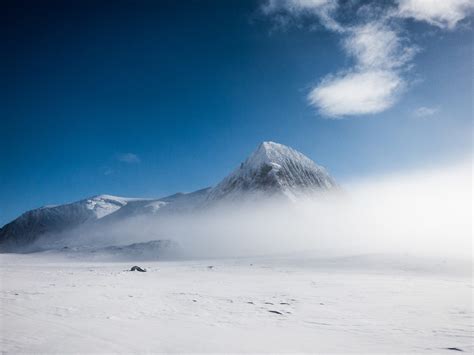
272	170
55	219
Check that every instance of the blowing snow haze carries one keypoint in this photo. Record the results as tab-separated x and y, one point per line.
272	171
276	201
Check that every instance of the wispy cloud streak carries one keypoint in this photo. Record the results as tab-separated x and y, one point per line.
441	13
381	49
425	111
129	158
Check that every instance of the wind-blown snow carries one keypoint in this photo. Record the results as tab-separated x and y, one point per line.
257	305
156	205
26	229
272	170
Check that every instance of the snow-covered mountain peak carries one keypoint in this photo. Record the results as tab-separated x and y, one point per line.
275	154
273	168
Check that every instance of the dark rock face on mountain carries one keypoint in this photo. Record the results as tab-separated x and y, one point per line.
272	170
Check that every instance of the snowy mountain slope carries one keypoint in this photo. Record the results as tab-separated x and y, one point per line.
271	170
55	219
92	212
179	202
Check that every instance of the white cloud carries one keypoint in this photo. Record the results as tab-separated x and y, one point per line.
283	10
375	82
372	85
425	111
295	6
129	158
375	45
441	13
356	93
374	38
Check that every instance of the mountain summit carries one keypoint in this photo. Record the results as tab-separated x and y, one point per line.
272	170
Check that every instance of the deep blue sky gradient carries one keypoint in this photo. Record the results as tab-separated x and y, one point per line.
192	88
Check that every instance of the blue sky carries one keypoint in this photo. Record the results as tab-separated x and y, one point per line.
147	98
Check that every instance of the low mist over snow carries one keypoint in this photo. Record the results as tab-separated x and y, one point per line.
272	172
279	201
423	213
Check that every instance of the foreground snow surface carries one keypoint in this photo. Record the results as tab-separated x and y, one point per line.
239	305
